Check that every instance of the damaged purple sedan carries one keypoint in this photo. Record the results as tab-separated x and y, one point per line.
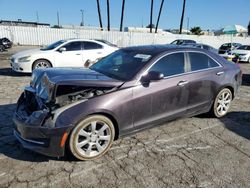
85	110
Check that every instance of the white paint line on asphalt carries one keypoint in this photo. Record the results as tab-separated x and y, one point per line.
2	174
168	140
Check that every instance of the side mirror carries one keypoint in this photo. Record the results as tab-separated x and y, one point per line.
152	76
62	49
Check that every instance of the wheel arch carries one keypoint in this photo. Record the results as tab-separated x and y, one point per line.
113	119
39	60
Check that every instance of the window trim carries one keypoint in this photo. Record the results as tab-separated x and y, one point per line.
187	63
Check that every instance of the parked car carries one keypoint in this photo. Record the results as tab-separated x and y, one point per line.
130	90
241	54
224	48
63	53
183	41
202	46
2	48
6	42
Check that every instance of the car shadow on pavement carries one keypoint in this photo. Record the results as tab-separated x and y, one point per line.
10	72
238	122
9	146
246	79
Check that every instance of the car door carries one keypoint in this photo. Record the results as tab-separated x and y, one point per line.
164	99
71	56
204	79
92	51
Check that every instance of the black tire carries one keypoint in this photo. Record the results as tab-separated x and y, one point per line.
222	103
41	63
88	143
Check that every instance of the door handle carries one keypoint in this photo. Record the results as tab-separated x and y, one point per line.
182	83
78	54
219	73
99	52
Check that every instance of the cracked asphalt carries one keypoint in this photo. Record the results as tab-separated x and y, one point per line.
190	152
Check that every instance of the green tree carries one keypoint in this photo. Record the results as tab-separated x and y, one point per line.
196	31
148	26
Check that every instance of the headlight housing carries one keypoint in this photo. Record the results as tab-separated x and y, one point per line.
23	59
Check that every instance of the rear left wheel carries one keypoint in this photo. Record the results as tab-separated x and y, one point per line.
222	103
92	137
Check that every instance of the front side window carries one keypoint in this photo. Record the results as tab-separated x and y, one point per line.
170	65
91	46
73	46
200	61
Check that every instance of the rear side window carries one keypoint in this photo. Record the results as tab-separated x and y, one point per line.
170	65
73	46
91	46
200	61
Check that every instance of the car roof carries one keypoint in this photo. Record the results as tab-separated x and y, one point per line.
160	49
79	39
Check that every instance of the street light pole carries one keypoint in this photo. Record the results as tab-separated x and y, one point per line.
82	23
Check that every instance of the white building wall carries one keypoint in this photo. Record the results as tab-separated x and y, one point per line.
43	36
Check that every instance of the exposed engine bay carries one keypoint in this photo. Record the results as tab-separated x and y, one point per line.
69	94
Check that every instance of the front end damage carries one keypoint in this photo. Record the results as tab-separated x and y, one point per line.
38	108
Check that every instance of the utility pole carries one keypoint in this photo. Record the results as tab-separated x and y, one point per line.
108	15
58	20
159	15
188	24
123	5
99	13
151	15
82	23
182	16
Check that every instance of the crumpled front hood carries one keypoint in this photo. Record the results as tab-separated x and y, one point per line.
44	81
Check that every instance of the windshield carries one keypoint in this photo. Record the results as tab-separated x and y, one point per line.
244	47
53	45
122	64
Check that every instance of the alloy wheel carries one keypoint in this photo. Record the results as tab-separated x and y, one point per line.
92	138
42	64
223	102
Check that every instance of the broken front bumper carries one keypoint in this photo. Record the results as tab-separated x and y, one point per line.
33	133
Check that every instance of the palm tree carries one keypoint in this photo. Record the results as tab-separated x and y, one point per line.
108	15
151	15
99	14
123	5
182	16
159	15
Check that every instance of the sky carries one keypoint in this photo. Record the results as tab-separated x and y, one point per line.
208	14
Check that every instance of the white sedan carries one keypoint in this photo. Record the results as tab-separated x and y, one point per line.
63	53
241	54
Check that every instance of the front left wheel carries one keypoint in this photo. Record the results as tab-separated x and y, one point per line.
41	63
92	137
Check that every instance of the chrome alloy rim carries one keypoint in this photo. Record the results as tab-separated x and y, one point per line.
93	139
42	64
223	103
